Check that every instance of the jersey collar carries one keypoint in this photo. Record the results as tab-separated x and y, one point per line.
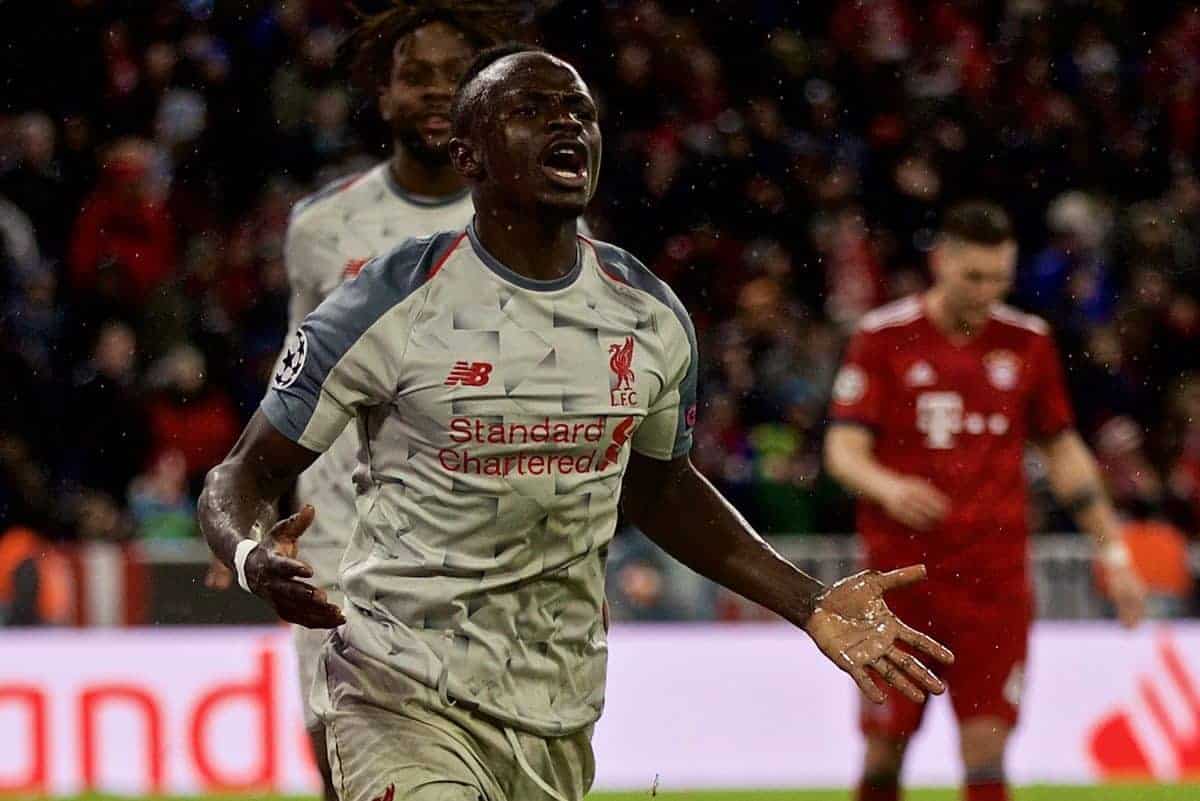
494	264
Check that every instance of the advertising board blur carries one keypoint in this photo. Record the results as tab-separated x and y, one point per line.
176	710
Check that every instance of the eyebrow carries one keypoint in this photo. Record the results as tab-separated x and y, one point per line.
542	94
427	62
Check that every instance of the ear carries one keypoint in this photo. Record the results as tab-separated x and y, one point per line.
465	158
383	104
937	257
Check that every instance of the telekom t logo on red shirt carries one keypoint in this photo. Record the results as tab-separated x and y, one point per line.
941	417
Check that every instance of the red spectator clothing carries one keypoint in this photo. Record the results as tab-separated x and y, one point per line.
855	277
203	429
958	415
875	30
138	238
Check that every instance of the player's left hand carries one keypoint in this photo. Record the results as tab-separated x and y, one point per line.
1128	594
852	626
275	574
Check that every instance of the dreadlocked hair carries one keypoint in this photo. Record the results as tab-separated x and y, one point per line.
484	22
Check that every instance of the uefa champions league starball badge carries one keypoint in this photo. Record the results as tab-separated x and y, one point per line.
289	367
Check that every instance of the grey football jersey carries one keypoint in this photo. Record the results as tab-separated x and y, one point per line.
496	415
330	236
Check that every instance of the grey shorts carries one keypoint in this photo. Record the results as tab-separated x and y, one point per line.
417	748
308	644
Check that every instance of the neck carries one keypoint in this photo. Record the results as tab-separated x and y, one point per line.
945	320
535	244
419	178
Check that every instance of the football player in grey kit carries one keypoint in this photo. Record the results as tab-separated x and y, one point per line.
408	59
512	383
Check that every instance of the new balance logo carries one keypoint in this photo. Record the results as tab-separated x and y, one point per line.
469	374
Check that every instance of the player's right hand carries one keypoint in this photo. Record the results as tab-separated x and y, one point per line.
273	573
915	502
218	577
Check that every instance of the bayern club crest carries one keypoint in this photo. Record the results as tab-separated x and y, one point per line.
850	384
1003	369
291	363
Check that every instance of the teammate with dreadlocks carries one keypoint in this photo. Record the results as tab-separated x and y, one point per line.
408	58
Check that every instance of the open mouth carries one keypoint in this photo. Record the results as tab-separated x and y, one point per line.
566	164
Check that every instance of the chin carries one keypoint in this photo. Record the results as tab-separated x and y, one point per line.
432	152
563	204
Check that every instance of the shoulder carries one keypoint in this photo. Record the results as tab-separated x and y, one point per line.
897	314
1024	331
405	268
331	201
326	198
623	269
1018	320
385	283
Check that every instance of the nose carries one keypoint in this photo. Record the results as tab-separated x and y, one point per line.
565	120
442	87
439	90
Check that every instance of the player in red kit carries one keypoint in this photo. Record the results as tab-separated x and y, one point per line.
936	400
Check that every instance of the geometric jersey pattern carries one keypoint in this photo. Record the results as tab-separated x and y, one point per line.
486	503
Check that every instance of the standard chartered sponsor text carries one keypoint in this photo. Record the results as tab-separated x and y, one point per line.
566	435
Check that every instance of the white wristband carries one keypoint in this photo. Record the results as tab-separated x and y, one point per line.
239	561
1115	555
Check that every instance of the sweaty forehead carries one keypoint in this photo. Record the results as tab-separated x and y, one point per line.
536	71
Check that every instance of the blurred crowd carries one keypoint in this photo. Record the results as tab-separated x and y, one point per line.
781	164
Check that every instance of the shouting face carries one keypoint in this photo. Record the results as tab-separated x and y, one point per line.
532	138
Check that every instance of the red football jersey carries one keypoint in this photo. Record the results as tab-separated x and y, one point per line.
958	415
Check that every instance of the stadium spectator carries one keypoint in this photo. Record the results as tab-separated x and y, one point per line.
108	445
811	145
123	246
159	500
35	181
188	415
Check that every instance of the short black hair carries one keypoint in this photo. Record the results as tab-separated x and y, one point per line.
979	222
463	109
370	48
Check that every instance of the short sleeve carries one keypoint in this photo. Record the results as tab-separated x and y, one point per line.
666	431
860	386
1050	406
347	354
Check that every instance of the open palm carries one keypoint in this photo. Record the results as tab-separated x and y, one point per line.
853	626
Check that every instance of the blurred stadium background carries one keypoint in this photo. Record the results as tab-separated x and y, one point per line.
781	164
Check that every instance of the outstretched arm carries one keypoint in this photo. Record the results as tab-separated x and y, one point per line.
241	491
681	511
